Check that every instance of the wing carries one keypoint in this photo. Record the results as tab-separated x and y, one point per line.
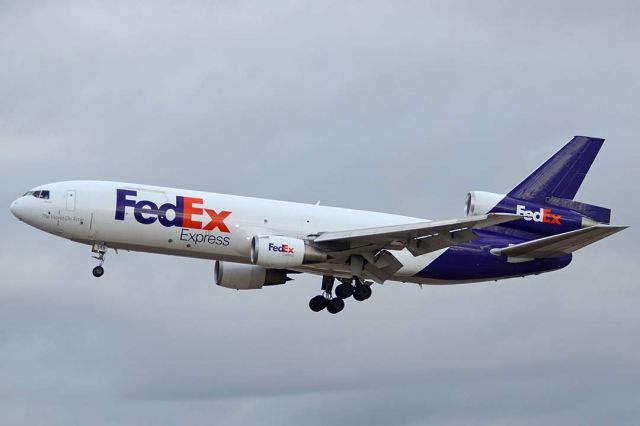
368	248
558	245
419	238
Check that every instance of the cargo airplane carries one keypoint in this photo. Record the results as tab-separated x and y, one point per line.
533	228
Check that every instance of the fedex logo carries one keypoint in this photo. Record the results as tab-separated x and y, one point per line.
284	248
187	212
542	215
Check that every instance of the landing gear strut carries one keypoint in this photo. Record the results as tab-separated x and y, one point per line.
99	250
355	287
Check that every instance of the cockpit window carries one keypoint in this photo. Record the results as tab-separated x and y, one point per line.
38	194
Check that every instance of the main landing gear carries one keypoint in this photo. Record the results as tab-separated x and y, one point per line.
354	287
99	250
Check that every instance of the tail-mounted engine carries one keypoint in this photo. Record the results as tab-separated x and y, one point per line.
481	202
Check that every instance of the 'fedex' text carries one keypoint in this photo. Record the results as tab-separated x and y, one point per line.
542	215
284	248
187	212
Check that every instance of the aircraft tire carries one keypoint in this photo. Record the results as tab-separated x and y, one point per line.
335	305
344	291
362	292
98	271
318	303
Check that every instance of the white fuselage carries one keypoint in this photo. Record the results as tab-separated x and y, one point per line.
220	226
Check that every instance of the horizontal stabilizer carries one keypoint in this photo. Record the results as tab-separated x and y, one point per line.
558	245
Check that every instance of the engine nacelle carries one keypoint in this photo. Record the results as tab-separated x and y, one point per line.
246	277
275	251
481	202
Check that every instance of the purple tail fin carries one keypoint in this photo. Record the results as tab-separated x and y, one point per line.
561	175
557	181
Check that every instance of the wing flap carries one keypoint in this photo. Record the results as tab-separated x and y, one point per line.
382	266
558	245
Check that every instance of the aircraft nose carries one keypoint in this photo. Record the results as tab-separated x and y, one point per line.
15	208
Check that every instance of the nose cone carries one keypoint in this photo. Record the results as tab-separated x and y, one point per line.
15	208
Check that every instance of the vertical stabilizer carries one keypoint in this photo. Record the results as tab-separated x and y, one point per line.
561	175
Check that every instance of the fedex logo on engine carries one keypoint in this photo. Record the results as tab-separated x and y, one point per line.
284	248
187	212
542	215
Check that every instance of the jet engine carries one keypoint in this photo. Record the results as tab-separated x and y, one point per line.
240	276
275	251
481	202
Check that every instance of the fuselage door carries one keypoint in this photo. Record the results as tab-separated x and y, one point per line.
71	200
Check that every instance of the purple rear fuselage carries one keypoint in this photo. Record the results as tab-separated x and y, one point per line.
473	261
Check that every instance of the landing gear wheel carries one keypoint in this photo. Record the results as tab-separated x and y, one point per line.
344	290
98	271
99	250
335	305
362	292
318	303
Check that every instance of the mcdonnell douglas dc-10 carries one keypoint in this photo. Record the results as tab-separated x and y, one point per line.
534	228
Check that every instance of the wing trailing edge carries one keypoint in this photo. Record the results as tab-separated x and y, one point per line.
386	234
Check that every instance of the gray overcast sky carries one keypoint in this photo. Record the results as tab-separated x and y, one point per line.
399	107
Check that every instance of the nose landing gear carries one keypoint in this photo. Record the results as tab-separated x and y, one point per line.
99	251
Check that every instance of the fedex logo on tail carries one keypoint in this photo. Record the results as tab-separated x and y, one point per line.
284	248
542	215
187	212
